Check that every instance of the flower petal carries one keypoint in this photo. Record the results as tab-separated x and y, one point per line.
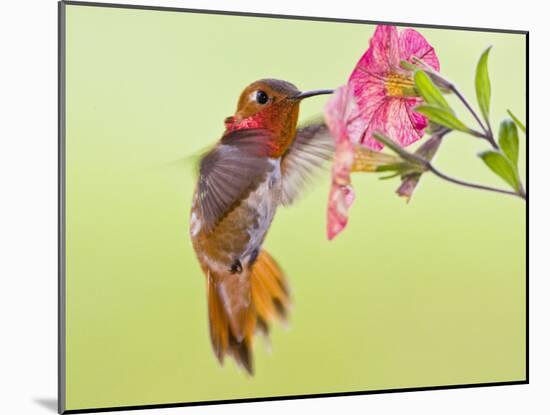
339	110
370	95
408	185
412	43
377	110
406	126
368	79
382	54
340	200
418	121
341	194
396	119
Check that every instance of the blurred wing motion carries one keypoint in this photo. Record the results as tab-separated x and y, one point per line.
232	169
312	147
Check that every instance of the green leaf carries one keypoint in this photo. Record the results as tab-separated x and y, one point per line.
410	159
402	168
508	140
431	93
517	121
502	167
407	65
388	142
391	176
443	84
390	167
483	85
442	117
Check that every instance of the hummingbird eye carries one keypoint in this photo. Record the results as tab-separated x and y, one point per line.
261	97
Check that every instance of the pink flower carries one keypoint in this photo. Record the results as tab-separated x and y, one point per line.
340	113
379	97
384	90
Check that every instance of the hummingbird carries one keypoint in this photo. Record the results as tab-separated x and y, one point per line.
262	161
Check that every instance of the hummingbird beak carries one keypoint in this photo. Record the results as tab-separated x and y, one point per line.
313	93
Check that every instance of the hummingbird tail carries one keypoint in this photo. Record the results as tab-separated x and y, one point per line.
270	293
238	307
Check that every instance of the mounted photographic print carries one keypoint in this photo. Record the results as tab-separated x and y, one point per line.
258	207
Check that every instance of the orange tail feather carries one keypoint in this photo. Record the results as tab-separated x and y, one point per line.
241	304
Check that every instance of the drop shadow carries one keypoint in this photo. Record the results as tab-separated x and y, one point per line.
48	403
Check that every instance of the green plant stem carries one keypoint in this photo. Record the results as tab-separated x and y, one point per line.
443	176
427	166
487	132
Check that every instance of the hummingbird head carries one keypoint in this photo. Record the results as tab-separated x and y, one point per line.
271	104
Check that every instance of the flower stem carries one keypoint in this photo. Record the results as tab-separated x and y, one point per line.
443	176
487	133
425	164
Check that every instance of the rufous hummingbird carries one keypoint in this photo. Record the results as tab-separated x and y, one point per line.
261	162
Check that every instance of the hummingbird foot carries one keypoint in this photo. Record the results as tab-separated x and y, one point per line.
236	267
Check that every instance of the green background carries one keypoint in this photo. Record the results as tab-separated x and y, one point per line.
429	293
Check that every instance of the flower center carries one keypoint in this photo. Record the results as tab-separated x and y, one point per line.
399	85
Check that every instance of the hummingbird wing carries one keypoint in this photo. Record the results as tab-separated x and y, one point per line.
230	171
312	146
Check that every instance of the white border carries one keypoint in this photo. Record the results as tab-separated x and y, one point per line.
28	208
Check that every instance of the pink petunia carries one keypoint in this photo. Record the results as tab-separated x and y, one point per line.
379	97
384	91
341	112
